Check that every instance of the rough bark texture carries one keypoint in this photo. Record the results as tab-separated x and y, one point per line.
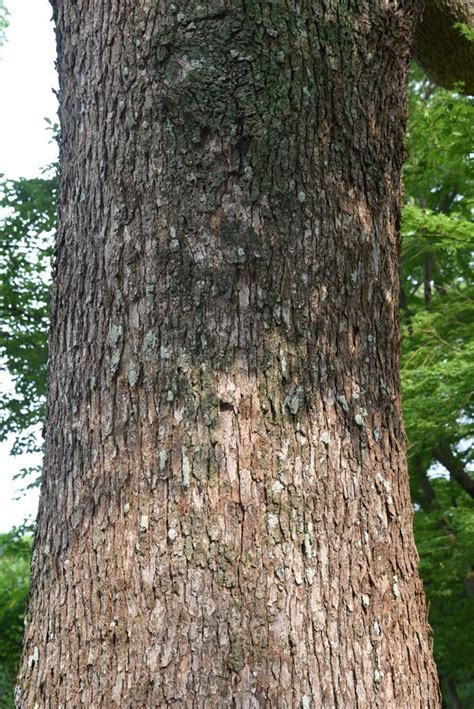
440	48
225	517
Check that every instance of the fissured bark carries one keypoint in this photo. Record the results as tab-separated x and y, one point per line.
225	517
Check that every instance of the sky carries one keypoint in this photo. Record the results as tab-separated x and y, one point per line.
27	80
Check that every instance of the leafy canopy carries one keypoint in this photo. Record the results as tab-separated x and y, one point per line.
3	22
438	365
15	551
28	217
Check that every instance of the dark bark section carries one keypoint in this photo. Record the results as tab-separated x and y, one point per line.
225	517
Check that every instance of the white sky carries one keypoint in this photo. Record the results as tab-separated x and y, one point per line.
27	77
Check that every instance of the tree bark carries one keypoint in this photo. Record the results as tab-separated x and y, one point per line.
225	517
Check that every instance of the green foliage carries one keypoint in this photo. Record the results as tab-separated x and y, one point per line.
437	280
438	174
445	546
438	372
15	551
26	225
438	362
3	22
465	30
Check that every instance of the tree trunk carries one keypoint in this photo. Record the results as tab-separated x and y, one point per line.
225	517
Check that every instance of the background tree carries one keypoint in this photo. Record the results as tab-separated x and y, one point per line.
26	224
15	547
438	367
15	551
29	214
3	22
438	315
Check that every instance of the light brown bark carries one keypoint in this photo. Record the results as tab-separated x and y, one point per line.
225	517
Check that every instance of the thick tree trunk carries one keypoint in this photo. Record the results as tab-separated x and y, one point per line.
225	517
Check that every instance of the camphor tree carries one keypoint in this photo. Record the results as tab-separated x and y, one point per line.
225	517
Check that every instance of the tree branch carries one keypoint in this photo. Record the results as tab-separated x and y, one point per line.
441	49
455	467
